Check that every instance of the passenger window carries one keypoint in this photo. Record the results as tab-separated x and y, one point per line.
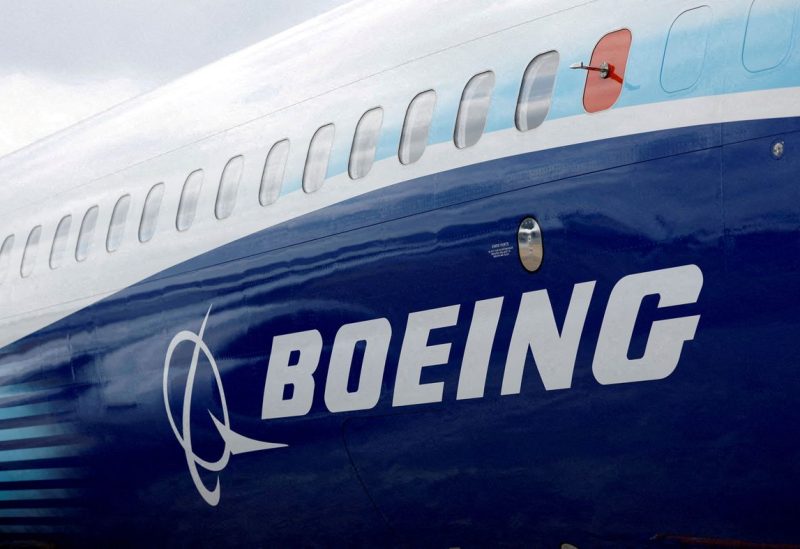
473	110
31	248
365	141
319	152
116	229
228	187
768	38
87	232
274	170
685	51
152	205
60	242
5	255
189	197
416	127
536	91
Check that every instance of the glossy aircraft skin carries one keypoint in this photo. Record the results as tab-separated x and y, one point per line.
663	179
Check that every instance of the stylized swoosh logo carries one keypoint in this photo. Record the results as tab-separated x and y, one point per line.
234	442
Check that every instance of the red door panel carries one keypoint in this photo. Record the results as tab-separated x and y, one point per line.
601	93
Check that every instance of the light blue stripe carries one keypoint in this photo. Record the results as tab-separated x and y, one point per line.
50	452
19	389
24	475
27	495
723	73
38	513
35	529
36	431
13	390
25	410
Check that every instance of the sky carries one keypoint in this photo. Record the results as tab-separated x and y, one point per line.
64	60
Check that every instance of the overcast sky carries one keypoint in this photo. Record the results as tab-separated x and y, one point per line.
64	60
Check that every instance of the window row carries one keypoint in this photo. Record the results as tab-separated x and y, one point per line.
533	105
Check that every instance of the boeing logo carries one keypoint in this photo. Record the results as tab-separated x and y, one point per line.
234	442
295	357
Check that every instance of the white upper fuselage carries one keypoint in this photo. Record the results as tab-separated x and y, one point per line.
329	70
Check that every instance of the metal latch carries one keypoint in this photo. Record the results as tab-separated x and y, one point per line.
604	69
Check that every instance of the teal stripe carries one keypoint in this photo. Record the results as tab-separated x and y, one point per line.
26	495
13	390
36	431
25	410
49	452
25	475
35	529
38	513
18	389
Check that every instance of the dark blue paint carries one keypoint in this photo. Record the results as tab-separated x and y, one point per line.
710	451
